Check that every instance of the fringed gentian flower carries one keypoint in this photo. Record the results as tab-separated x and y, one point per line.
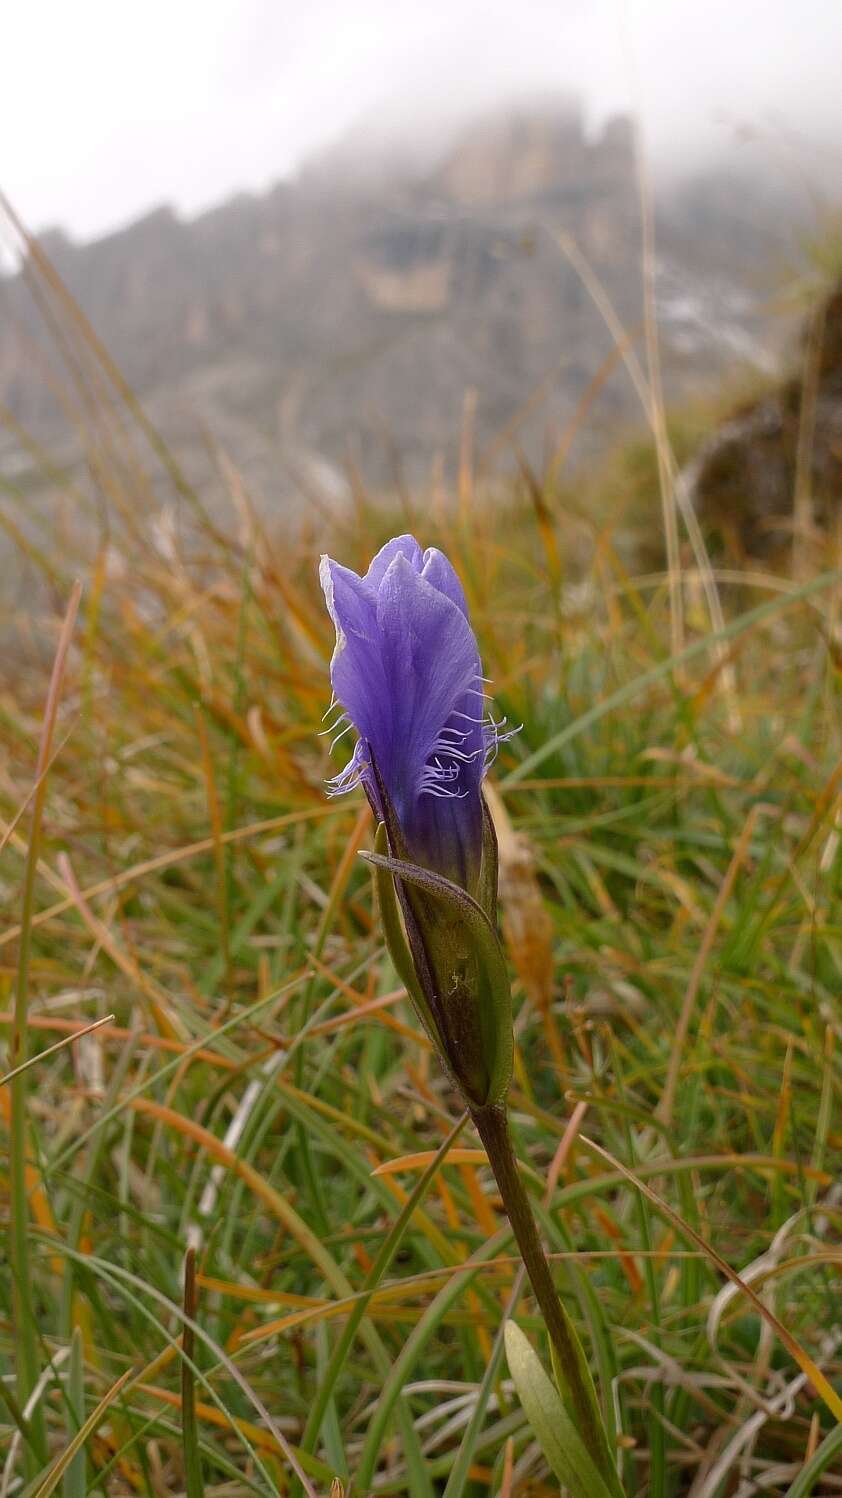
406	675
406	672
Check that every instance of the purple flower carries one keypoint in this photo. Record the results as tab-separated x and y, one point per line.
406	673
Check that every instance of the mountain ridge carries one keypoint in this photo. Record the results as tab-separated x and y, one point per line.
346	315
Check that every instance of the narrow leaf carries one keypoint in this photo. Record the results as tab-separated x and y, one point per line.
57	1471
74	1485
583	1375
559	1440
189	1430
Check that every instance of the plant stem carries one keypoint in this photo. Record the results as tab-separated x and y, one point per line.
492	1127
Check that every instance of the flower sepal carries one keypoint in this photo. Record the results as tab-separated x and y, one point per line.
489	865
396	941
458	978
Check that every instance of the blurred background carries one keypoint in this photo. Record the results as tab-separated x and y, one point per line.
329	243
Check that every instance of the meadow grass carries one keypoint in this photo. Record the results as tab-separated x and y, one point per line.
254	1247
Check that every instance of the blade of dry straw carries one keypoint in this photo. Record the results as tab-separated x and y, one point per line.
23	1304
59	1045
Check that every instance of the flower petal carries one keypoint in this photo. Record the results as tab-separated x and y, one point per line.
399	546
430	660
356	670
441	574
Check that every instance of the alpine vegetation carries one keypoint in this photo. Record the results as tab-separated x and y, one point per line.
406	676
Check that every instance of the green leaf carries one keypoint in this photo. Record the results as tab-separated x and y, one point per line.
559	1440
582	1374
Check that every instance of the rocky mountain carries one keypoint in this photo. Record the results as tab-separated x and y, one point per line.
351	312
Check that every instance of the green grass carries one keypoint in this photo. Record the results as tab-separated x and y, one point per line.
670	899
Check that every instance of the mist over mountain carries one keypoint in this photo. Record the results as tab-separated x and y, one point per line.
353	313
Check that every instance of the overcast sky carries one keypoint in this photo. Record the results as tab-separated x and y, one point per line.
108	109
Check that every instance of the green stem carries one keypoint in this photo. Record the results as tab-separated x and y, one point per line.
579	1393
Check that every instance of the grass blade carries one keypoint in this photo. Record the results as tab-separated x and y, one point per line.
189	1432
23	1300
75	1485
77	1445
819	1462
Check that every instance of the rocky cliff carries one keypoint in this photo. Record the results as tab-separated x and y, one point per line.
347	313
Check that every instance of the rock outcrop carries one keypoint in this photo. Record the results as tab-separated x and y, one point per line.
776	465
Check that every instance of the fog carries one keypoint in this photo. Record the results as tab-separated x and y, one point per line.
107	111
